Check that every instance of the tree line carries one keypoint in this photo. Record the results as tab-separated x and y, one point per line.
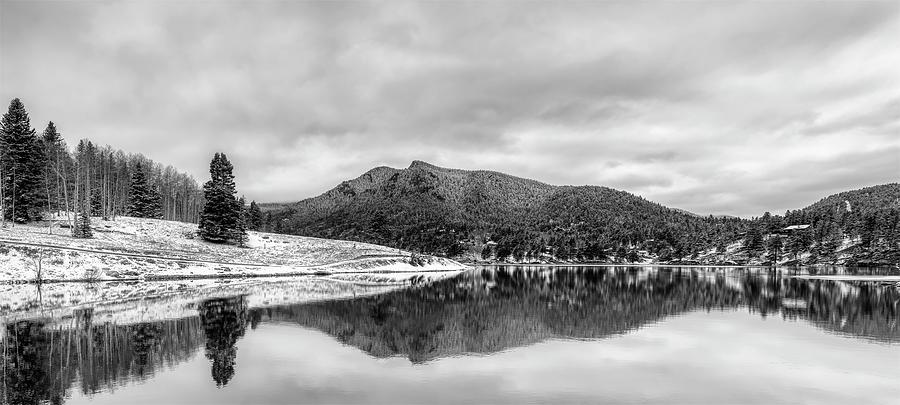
865	223
41	178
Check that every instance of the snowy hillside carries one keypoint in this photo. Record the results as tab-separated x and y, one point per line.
138	248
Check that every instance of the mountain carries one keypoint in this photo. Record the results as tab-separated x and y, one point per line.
476	193
861	201
859	227
484	214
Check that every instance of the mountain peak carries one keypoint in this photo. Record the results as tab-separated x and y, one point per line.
422	164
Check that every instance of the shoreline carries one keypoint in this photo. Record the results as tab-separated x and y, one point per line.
320	273
139	249
736	266
138	301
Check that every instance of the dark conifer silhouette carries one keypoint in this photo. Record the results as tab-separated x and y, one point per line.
753	242
22	160
774	245
239	233
143	200
53	144
219	216
82	227
145	339
224	322
254	217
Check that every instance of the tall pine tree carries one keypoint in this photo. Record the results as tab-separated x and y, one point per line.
753	242
82	226
22	160
254	217
219	216
143	200
774	245
53	147
239	233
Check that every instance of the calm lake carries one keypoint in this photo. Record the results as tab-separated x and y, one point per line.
491	335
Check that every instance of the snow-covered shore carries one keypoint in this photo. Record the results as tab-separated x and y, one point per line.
125	302
150	249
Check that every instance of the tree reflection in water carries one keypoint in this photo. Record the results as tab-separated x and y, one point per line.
25	378
224	322
45	358
482	311
494	309
145	339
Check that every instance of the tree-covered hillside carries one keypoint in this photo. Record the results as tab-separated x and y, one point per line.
494	215
859	227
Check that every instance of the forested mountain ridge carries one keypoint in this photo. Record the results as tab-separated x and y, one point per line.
861	202
859	226
473	190
484	215
494	215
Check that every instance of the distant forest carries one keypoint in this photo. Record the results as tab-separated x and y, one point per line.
868	217
40	174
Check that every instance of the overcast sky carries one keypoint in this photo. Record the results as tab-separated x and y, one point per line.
721	107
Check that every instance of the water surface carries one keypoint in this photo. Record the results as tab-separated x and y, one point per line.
491	335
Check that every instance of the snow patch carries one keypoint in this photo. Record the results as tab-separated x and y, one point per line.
139	248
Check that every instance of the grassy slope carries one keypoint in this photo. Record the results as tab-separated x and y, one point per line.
148	248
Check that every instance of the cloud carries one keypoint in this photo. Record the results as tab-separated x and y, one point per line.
698	105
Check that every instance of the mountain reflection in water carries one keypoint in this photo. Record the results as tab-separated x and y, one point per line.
479	312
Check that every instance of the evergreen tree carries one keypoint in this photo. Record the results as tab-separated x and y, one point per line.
52	143
632	256
832	240
753	242
798	241
254	217
51	135
219	216
143	200
155	202
239	233
82	227
867	229
774	245
22	158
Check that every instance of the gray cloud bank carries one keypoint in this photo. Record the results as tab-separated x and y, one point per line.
718	107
